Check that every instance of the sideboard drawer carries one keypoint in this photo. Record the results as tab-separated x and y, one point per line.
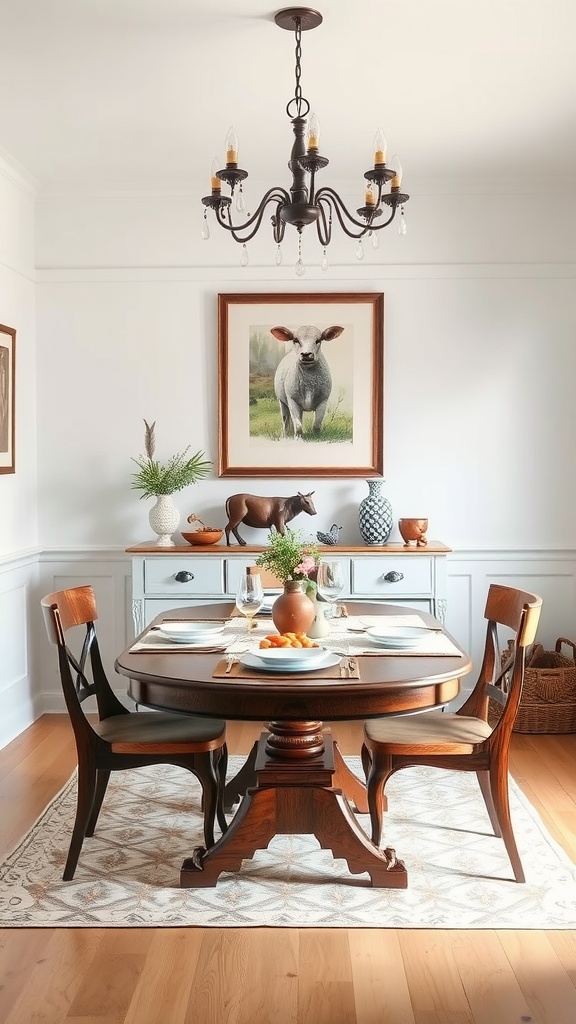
160	576
369	576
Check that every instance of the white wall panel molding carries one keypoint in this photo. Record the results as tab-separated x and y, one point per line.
20	683
248	276
109	572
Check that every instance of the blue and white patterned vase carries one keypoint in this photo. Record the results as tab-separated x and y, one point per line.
375	515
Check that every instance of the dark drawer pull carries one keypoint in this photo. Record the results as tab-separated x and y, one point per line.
391	577
184	576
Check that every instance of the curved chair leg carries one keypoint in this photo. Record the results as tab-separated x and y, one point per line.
102	777
205	771
366	756
221	768
85	800
499	791
484	782
379	773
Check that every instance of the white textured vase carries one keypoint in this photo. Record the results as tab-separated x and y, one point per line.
164	518
320	626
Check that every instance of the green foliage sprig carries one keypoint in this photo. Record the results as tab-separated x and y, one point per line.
289	557
181	470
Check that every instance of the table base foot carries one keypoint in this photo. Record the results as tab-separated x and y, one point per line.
265	813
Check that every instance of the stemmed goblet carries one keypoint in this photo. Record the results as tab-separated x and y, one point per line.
329	579
249	596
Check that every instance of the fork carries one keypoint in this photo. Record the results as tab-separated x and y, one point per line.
231	659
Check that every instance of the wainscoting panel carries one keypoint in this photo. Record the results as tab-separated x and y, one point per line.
552	575
20	684
29	682
109	574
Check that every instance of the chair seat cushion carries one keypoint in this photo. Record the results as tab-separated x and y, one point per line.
435	727
158	727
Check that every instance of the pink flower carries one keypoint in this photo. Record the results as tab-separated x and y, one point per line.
305	567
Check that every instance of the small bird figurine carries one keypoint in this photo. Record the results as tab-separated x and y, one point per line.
331	537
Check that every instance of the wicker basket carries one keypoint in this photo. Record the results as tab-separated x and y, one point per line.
548	703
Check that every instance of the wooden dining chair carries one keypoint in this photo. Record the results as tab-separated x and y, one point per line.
464	740
269	580
121	738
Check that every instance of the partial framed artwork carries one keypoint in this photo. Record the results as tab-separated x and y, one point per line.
7	399
300	384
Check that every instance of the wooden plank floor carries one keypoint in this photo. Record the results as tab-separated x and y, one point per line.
283	976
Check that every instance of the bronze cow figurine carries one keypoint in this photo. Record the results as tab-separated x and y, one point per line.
264	513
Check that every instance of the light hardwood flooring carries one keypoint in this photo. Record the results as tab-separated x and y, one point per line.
283	976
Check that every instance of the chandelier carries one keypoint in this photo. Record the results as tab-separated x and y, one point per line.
304	203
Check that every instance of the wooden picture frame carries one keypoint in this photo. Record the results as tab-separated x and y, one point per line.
258	435
7	399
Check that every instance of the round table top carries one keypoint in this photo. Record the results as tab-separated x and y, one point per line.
388	685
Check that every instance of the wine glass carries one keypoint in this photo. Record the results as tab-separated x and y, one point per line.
329	579
249	596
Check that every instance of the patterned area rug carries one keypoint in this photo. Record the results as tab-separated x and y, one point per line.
128	872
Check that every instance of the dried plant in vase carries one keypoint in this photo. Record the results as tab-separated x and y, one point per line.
162	479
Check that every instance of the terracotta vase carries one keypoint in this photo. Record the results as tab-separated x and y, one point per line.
293	611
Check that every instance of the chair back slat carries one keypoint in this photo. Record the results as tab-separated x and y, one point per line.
81	676
502	679
269	580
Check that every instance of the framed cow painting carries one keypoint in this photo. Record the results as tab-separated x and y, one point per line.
301	384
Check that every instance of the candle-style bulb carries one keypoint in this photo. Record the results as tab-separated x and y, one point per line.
379	148
313	132
231	147
215	183
369	197
396	166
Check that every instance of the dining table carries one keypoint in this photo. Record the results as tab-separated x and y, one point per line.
295	780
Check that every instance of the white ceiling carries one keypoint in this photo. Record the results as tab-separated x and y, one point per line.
139	94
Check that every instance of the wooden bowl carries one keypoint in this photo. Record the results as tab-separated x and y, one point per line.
203	537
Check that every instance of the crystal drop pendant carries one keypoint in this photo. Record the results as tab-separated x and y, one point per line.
375	240
244	256
278	255
240	200
205	233
300	268
360	251
324	262
402	229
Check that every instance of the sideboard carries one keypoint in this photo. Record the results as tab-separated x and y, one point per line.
181	576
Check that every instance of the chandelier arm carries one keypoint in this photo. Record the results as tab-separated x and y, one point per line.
276	195
329	195
324	223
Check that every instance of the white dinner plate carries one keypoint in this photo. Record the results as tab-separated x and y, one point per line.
187	632
290	655
254	662
198	640
266	606
400	637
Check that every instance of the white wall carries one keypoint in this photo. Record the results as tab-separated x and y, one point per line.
480	317
20	681
18	499
478	408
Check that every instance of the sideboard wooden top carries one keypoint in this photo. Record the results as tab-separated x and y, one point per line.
433	547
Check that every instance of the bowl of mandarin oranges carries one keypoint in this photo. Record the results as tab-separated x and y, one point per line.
285	649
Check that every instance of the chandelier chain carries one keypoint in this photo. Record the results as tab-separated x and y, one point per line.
298	67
